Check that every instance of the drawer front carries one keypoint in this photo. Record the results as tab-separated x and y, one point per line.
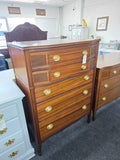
42	59
108	97
12	126
65	117
41	93
8	111
15	152
59	103
66	55
56	74
109	72
109	84
10	141
115	71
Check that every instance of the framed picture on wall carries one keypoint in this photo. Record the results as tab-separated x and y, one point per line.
14	10
102	23
41	12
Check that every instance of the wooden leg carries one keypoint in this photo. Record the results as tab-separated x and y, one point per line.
40	149
89	118
94	114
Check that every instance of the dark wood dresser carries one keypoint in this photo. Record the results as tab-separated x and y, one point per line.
58	78
107	83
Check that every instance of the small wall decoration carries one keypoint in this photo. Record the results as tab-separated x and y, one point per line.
70	27
14	10
41	12
102	23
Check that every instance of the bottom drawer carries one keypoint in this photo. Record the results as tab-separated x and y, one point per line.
10	141
56	122
108	97
15	153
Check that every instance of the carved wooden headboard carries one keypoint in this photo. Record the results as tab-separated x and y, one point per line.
26	32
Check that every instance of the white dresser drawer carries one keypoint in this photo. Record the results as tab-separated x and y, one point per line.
12	127
9	111
15	153
10	141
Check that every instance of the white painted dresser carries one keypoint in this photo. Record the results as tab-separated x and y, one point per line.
14	138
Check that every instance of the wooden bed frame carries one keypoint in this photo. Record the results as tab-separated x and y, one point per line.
26	32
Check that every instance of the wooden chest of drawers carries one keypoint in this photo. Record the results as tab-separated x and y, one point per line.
58	78
107	83
14	138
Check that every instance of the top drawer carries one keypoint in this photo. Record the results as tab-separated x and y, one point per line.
56	57
109	72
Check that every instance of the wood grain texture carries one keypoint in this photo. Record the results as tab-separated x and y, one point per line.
110	96
63	101
63	86
63	118
66	97
107	81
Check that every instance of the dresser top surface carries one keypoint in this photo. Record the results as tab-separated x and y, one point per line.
109	59
9	91
49	43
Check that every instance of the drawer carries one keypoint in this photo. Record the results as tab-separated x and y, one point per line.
109	96
12	127
42	59
109	84
10	141
57	74
115	71
109	72
16	153
64	118
8	111
41	93
63	101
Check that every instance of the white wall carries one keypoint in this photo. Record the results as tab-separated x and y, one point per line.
29	11
71	15
94	9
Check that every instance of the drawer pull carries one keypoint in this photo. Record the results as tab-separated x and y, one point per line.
84	107
13	154
85	92
85	52
1	116
115	72
50	126
57	74
106	86
10	142
104	98
86	78
83	67
47	91
3	131
48	109
56	58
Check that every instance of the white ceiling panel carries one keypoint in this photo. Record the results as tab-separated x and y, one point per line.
43	2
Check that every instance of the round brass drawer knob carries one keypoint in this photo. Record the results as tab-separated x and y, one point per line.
84	107
50	126
1	116
57	74
104	98
115	72
85	52
83	67
48	109
56	58
85	92
47	91
86	78
106	86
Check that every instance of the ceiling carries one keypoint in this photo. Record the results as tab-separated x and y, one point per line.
57	3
